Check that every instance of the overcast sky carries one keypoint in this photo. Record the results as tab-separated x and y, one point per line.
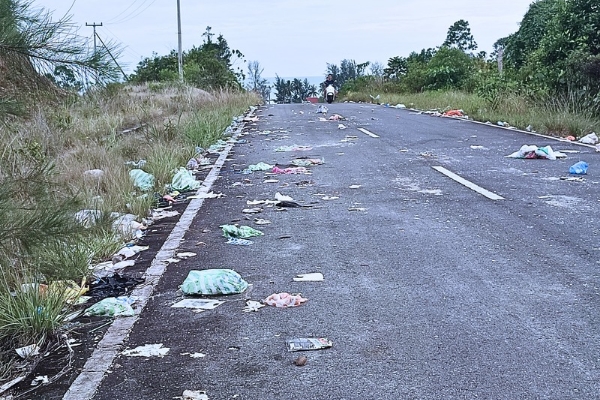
292	38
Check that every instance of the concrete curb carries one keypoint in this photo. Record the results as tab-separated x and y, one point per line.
87	383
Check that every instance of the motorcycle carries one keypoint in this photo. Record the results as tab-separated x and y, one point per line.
329	94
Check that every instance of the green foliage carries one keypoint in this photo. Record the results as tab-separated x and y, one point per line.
450	68
459	36
256	82
347	71
293	91
397	67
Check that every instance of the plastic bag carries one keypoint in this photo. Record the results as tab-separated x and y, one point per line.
284	300
214	281
142	180
579	168
184	180
112	307
240	232
592	138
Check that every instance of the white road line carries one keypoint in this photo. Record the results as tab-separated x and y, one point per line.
366	132
469	184
94	370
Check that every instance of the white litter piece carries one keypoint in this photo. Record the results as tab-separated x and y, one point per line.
254	210
147	350
156	215
194	395
197	355
312	277
172	260
342	126
260	221
209	195
271	181
592	138
186	254
131	251
252	305
281	197
198	304
329	198
475	147
354	186
40	380
28	351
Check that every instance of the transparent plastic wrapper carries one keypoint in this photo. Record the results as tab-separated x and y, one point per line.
184	180
305	344
112	307
141	179
213	282
240	232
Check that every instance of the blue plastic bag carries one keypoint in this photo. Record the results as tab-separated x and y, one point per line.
579	168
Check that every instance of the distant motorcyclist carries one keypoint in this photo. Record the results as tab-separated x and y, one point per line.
329	81
328	93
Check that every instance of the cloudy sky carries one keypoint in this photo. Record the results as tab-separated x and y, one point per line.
292	38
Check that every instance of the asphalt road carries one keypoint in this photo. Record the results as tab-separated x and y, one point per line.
431	291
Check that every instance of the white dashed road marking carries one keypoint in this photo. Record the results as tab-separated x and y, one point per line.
366	132
469	184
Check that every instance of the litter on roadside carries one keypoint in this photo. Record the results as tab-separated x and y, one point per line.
254	210
28	351
579	168
532	151
213	282
112	307
301	361
198	304
209	195
474	147
342	126
261	166
194	395
161	214
336	117
354	186
305	344
241	232
329	198
186	254
252	306
284	300
357	209
289	171
349	138
271	181
289	204
260	221
147	350
130	251
321	110
454	113
40	380
281	197
311	277
141	179
591	138
293	148
307	162
184	180
239	242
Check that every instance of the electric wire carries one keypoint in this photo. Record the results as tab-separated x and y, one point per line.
130	16
122	12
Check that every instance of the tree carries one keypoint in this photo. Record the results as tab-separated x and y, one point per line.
449	68
459	36
283	90
256	82
396	67
377	69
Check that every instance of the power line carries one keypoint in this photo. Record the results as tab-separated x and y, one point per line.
130	16
122	12
94	25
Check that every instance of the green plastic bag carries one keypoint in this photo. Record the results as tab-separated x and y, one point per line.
213	282
184	181
241	232
112	307
261	166
141	179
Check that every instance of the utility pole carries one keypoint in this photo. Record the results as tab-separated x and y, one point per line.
179	52
94	25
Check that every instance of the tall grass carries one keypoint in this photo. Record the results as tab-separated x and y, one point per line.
557	117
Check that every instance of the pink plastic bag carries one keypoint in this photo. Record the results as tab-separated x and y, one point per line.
283	300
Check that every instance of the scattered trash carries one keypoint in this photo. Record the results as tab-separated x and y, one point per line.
194	395
572	179
271	181
349	138
342	126
147	350
161	214
284	300
400	106
40	380
198	304
288	204
209	195
213	282
293	148
239	242
579	168
242	232
474	147
454	113
250	119
112	307
93	174
254	210
130	251
260	221
531	152
571	138
307	162
301	361
502	123
305	344
142	180
252	306
113	286
289	171
357	209
280	197
197	355
591	138
218	147
185	255
261	166
321	110
311	277
28	351
329	198
127	226
336	117
354	186
184	180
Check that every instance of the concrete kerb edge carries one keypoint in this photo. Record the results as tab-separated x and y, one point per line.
85	386
512	129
